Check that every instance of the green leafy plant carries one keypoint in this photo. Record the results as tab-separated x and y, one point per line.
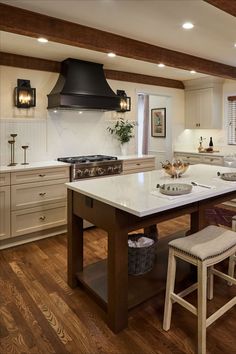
123	130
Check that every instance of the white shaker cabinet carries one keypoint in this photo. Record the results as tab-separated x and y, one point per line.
203	107
4	205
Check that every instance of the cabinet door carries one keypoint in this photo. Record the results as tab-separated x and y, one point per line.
205	108
192	109
4	212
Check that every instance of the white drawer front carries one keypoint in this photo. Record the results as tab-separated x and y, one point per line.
192	159
35	194
39	175
4	179
31	220
138	165
213	160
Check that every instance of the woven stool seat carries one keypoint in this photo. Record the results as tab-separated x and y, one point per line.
207	243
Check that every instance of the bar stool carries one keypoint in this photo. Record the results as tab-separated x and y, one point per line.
232	259
203	249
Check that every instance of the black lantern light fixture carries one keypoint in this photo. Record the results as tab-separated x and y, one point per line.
25	96
125	101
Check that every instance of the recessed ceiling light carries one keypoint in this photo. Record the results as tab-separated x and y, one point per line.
55	111
161	65
80	112
234	44
192	72
188	25
111	55
42	40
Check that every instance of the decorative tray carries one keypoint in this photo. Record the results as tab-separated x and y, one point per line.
174	188
228	176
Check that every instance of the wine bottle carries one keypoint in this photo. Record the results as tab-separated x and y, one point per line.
211	144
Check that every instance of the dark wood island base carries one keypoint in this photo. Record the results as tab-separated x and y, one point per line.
108	280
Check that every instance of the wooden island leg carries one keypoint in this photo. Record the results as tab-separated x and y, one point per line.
74	244
117	306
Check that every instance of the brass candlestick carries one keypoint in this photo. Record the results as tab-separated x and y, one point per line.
25	147
12	143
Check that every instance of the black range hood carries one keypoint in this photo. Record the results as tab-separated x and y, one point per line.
82	86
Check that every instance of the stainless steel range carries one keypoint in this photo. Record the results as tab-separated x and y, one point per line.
92	166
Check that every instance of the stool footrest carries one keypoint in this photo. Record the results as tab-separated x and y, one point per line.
223	276
220	312
188	290
176	298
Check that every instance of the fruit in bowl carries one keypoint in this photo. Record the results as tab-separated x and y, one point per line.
176	168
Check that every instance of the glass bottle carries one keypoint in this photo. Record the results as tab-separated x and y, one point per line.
211	144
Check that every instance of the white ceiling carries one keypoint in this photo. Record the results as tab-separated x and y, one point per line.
157	22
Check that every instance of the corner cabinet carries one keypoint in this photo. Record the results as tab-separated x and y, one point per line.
203	108
194	159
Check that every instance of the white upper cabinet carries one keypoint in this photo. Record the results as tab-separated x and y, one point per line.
203	104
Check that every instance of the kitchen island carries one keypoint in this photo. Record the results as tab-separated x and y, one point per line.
119	205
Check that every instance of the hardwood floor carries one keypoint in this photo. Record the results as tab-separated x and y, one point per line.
39	313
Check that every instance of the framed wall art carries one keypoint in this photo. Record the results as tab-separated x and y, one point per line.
158	122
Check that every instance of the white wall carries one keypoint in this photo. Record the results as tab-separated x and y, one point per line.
51	135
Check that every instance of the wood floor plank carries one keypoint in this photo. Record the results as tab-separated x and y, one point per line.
41	314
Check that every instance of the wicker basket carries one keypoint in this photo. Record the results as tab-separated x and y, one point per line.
141	259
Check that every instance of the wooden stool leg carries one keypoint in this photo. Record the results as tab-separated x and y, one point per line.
170	285
202	303
231	267
210	285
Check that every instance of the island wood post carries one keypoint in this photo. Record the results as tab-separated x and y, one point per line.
75	243
117	268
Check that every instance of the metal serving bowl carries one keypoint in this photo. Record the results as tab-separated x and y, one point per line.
175	169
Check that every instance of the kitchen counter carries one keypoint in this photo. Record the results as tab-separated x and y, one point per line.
130	157
220	154
133	193
32	166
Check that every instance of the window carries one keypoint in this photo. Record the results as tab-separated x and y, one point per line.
232	120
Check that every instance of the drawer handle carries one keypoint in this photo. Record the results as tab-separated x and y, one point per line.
42	175
137	164
211	159
42	218
42	194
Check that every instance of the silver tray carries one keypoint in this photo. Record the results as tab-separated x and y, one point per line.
228	176
175	188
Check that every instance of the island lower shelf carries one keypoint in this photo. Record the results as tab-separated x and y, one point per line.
140	288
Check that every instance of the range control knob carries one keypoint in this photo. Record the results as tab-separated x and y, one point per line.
86	172
79	173
110	169
100	171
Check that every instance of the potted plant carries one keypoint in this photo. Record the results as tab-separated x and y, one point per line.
123	130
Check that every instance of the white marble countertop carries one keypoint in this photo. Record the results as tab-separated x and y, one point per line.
220	154
133	193
32	166
130	157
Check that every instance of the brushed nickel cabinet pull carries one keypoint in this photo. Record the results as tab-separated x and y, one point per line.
42	194
41	175
42	218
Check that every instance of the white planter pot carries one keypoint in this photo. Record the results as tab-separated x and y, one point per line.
124	149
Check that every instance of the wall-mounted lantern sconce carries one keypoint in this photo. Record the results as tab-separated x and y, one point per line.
25	96
125	101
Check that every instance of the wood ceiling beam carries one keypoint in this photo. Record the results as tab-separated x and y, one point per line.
228	6
9	59
33	24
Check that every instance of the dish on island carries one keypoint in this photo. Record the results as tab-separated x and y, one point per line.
175	188
228	176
